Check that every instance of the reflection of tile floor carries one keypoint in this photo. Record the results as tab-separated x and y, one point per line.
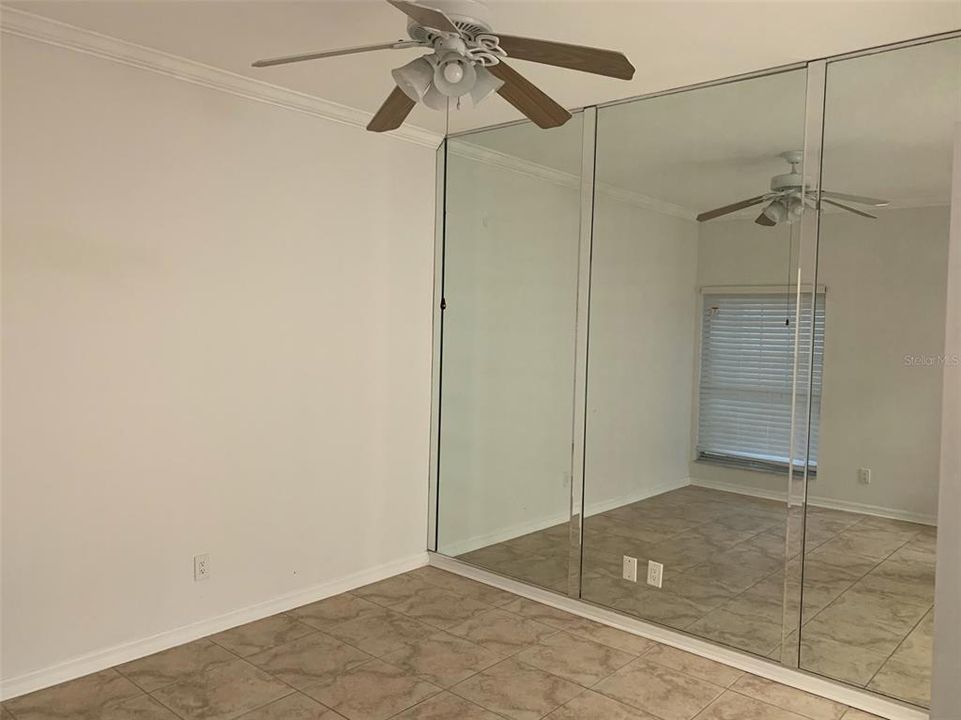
426	645
868	582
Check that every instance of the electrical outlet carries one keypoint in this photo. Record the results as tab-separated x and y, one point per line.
630	569
201	567
655	573
864	476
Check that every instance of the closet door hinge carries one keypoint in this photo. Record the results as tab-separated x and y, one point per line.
443	303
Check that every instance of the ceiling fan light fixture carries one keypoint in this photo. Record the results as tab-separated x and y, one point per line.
454	74
795	208
776	212
486	84
434	99
414	78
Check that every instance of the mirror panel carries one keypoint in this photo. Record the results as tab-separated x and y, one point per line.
691	351
871	518
507	376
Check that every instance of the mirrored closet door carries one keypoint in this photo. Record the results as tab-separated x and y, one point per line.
691	357
506	411
871	528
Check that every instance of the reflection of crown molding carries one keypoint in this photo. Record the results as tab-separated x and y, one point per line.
53	32
515	164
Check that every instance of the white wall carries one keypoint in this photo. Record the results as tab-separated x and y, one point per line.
886	285
216	338
641	364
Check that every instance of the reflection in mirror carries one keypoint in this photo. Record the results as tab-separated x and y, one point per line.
690	366
507	375
868	587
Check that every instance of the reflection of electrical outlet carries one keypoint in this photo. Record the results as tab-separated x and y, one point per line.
630	569
864	476
655	573
565	479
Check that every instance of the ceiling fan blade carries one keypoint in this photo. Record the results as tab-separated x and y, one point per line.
426	16
711	214
392	113
764	220
856	198
397	44
849	208
526	97
576	57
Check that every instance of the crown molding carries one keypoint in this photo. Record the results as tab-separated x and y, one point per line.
481	154
52	32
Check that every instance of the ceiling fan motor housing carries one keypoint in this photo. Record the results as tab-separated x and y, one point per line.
793	180
471	17
787	181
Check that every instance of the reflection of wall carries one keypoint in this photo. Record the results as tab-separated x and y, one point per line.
885	299
510	286
640	369
511	255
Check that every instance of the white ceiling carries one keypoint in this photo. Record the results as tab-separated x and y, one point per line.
671	43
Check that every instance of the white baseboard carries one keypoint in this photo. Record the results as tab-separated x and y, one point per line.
512	531
596	508
815	684
108	657
821	502
876	510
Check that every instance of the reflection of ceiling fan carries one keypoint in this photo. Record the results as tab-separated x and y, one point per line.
466	59
785	202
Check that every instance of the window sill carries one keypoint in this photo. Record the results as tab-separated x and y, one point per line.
761	466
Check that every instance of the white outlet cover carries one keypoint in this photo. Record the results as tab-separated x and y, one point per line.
201	567
629	568
655	573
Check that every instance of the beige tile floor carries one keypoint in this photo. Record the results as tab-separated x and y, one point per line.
426	645
868	582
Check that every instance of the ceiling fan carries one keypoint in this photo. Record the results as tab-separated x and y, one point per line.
786	200
467	59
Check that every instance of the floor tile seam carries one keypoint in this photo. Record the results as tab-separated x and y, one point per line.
452	691
651	712
167	686
471	597
370	655
313	631
586	687
258	707
318	683
843	593
891	655
676	670
787	709
425	700
854	582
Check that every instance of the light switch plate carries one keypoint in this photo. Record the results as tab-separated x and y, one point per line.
630	569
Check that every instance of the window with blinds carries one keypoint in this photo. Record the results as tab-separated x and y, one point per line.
746	378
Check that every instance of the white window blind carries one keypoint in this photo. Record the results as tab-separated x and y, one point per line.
747	372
